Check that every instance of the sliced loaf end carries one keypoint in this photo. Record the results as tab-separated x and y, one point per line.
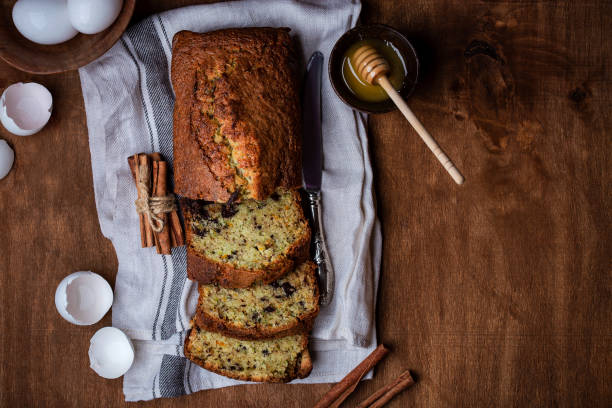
270	360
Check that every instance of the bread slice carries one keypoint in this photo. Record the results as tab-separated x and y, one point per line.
270	360
283	307
238	244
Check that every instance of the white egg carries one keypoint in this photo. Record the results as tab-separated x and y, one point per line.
111	352
43	21
93	16
25	108
83	298
7	157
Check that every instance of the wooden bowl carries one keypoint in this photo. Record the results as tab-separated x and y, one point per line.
381	32
28	56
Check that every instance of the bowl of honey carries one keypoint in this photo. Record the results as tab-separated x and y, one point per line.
393	46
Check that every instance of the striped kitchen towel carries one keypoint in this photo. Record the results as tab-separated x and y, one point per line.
129	102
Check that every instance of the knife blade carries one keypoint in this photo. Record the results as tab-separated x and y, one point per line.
312	171
312	147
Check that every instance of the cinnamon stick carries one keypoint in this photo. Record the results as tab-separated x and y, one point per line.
154	187
133	162
143	159
339	392
160	191
177	229
384	395
172	238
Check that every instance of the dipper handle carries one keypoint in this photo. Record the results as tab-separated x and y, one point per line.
373	68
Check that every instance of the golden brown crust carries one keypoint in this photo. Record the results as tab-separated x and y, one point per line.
207	322
236	114
302	369
228	328
305	366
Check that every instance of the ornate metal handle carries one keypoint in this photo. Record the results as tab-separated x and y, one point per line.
320	254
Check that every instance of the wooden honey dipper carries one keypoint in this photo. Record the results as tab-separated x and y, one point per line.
372	68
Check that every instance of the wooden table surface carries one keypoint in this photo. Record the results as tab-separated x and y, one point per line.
495	293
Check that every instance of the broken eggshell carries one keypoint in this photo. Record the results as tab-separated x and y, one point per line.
7	157
25	108
111	352
83	298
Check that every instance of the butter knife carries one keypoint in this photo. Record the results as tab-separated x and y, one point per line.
312	168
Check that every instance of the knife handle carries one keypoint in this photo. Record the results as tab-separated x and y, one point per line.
320	253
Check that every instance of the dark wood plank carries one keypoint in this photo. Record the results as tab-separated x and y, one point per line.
496	293
502	285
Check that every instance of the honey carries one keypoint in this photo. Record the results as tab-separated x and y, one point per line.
360	88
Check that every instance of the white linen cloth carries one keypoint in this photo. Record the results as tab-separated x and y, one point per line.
129	101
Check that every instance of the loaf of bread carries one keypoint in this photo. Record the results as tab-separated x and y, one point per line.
239	244
270	360
237	165
236	114
283	307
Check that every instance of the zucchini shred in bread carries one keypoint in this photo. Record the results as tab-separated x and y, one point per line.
239	244
236	114
270	360
286	306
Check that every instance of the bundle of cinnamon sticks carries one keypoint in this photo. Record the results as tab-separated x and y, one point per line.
159	222
339	392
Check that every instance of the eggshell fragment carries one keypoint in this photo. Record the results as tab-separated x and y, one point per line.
25	108
7	157
83	298
111	352
43	21
93	16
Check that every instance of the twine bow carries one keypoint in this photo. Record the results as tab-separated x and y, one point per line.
152	207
